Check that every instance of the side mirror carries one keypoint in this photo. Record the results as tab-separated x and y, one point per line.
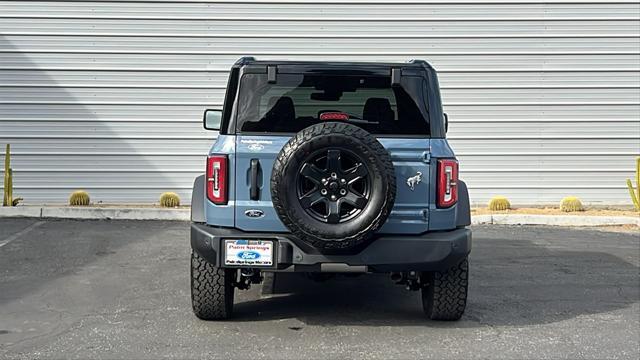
212	119
446	122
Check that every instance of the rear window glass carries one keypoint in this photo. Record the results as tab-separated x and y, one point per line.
296	101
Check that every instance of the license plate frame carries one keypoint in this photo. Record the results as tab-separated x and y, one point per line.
232	250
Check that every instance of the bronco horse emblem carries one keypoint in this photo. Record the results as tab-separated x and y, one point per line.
414	180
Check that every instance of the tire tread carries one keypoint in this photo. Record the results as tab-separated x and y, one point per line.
445	294
211	290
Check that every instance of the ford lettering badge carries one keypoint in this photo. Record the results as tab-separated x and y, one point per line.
248	255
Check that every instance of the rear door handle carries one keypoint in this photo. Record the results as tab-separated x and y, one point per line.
254	190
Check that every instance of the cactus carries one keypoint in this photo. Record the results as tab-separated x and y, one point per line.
11	201
635	194
498	203
571	204
169	199
7	199
79	198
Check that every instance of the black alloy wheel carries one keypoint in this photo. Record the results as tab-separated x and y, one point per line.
333	185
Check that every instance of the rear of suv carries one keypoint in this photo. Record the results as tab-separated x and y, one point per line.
330	167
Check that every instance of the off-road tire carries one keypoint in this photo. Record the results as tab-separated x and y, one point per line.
444	293
333	237
211	289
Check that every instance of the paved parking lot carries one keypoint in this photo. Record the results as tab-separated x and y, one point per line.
120	289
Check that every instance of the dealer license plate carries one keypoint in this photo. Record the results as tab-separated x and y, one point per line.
248	253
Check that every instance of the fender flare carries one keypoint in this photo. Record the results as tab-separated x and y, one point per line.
463	208
197	200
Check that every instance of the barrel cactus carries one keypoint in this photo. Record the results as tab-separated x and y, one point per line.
79	198
571	204
499	203
169	199
635	193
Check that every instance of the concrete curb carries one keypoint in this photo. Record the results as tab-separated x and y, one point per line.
553	220
133	213
20	211
113	213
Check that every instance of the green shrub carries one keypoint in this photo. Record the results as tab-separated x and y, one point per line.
499	203
571	204
79	198
169	199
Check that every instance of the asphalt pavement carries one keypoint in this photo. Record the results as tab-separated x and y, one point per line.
120	289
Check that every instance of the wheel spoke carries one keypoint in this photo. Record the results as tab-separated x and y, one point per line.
333	213
357	172
323	191
355	200
333	161
310	199
312	173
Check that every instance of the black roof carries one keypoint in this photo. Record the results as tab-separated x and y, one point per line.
344	64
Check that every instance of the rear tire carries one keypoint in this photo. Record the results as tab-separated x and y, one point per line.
211	289
341	138
444	295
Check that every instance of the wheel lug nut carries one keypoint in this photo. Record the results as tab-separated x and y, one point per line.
343	192
323	191
334	175
333	197
343	181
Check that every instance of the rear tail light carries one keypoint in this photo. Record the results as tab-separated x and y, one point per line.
217	179
447	183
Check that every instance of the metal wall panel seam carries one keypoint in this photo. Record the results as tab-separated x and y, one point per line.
367	2
222	87
325	36
315	19
205	137
318	53
226	70
205	104
198	170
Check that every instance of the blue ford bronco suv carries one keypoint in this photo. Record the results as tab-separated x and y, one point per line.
330	167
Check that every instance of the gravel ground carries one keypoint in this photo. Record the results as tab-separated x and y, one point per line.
120	289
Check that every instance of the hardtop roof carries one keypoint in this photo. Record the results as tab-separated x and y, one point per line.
416	64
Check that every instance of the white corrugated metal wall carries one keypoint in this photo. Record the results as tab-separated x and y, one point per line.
543	96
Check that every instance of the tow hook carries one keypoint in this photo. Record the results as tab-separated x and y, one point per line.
248	277
410	279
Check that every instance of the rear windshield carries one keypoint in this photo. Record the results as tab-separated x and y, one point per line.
296	101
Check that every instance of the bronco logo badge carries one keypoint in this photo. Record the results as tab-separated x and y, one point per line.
414	180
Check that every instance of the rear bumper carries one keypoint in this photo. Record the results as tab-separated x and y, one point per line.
426	252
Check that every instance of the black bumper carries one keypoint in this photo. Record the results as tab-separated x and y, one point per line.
426	252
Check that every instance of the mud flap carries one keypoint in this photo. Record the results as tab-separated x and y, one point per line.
463	208
197	200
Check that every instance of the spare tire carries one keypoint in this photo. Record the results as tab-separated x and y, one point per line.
333	185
